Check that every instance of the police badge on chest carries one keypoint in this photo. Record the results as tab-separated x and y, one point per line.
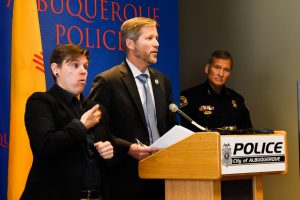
206	109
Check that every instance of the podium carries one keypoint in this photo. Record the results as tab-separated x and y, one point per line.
194	167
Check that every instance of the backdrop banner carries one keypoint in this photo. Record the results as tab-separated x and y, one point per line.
95	24
92	24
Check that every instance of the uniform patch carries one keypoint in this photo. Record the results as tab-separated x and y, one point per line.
234	104
183	101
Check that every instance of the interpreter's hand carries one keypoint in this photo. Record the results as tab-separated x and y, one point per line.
91	117
139	152
105	149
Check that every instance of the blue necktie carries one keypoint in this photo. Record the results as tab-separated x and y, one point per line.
149	110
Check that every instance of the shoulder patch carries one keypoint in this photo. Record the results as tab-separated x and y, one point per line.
183	101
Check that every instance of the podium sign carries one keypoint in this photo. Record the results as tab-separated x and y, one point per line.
194	167
252	154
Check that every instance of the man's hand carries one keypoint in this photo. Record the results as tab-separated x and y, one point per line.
139	152
154	150
91	117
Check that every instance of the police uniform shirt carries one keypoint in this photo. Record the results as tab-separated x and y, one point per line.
213	110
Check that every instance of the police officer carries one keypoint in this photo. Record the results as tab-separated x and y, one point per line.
213	105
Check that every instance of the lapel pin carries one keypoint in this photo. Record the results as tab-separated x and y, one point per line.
156	82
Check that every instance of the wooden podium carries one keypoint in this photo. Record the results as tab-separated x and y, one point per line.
192	167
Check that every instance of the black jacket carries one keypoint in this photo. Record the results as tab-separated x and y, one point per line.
57	140
116	90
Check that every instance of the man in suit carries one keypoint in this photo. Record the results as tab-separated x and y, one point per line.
68	136
124	97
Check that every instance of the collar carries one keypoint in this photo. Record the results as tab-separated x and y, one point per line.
69	96
210	90
135	71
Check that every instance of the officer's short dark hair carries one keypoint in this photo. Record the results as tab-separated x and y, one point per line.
220	54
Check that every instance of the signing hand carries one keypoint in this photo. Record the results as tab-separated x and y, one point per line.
91	117
105	149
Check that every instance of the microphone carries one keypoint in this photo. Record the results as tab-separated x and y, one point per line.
173	107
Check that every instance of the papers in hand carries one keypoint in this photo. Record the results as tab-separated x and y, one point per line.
174	135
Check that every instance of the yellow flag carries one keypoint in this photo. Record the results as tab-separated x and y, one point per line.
27	76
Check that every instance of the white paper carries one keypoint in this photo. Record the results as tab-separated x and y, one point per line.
174	135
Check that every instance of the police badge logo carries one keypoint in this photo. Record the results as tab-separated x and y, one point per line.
226	155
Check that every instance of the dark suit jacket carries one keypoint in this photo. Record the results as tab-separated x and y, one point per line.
116	90
57	139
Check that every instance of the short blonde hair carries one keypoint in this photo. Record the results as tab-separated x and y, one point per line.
130	29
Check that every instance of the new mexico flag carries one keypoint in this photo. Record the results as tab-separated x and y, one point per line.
27	76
